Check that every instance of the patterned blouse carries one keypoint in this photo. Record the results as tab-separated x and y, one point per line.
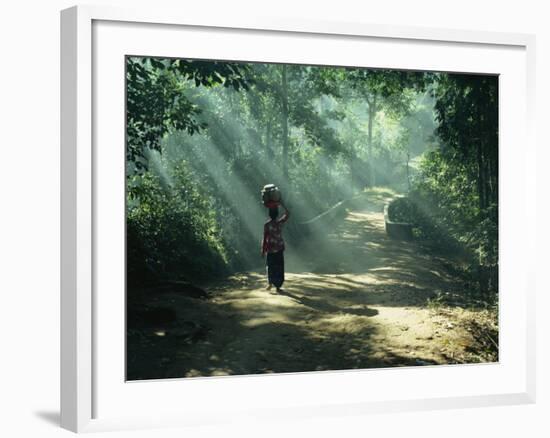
273	235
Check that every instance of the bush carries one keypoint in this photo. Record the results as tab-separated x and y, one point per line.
402	210
447	214
171	229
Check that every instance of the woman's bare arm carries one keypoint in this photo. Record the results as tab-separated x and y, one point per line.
286	214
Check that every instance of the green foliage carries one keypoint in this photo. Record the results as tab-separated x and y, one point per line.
403	210
454	195
448	215
388	84
467	113
171	231
445	199
157	102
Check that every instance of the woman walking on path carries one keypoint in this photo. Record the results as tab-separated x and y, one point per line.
273	246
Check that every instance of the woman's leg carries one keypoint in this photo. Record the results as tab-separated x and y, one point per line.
282	267
269	270
276	268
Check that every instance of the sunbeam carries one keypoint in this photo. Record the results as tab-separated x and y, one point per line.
385	235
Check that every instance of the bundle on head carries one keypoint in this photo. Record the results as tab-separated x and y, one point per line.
271	195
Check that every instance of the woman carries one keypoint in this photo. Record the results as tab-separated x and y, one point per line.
273	246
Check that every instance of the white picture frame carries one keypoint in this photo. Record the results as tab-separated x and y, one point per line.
85	375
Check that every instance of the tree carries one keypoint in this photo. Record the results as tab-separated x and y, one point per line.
156	100
467	112
460	178
384	89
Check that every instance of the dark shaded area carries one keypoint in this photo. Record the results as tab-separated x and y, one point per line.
323	306
270	347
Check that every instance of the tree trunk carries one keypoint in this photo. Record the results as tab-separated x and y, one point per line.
268	147
284	88
408	173
372	114
353	172
480	179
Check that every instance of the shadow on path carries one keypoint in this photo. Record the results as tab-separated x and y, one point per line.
352	299
324	306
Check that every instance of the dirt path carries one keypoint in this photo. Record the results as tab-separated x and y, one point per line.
360	300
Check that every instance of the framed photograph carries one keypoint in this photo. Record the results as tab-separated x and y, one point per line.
274	218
